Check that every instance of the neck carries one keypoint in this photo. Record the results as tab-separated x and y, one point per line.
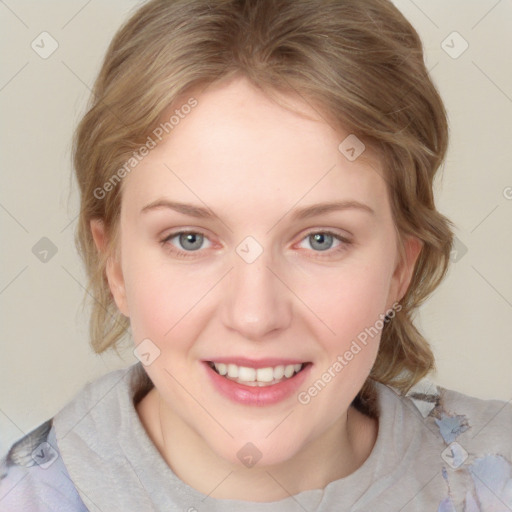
335	454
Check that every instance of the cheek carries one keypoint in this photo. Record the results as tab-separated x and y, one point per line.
165	301
348	299
350	304
169	300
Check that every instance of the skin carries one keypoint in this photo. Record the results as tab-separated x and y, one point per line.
253	163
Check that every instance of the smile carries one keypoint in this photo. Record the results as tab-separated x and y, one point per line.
257	383
268	376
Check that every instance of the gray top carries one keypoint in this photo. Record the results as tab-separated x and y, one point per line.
436	450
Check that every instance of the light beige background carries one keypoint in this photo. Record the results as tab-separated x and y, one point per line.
45	357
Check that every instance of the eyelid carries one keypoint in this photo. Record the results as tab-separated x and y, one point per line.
331	231
344	242
186	231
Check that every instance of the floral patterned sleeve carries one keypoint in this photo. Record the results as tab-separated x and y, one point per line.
33	476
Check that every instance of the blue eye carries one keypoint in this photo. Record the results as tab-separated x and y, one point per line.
191	241
186	241
322	241
184	244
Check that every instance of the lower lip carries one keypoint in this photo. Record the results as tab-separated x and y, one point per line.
255	395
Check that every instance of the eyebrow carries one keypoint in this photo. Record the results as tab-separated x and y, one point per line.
297	214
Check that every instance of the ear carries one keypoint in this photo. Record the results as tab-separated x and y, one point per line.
113	267
405	269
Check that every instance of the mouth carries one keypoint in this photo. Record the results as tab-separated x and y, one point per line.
257	377
259	383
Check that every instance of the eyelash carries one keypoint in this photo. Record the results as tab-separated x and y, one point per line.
344	243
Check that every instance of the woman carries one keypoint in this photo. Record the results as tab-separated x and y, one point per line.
257	206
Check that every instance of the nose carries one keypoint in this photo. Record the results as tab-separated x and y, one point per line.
256	303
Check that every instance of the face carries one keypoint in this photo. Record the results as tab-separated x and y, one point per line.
249	244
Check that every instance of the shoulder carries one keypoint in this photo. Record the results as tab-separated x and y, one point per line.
484	426
486	420
471	439
34	477
39	470
97	411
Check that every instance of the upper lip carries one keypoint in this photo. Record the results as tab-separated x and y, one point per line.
256	363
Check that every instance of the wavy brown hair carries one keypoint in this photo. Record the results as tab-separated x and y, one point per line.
359	62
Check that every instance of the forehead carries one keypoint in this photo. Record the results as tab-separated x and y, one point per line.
239	147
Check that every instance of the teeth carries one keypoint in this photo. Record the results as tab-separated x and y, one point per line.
279	372
289	370
247	374
233	371
264	374
222	368
257	377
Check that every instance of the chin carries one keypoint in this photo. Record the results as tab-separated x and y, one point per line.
258	450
